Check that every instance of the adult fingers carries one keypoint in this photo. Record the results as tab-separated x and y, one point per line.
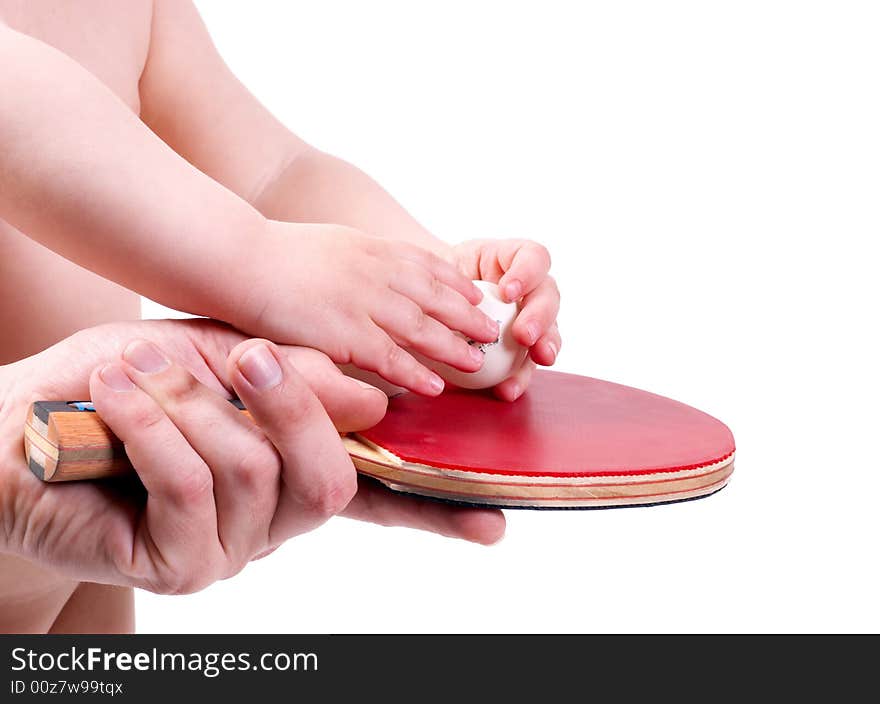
244	465
352	404
176	549
376	504
317	477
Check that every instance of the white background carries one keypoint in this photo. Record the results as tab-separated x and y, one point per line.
706	176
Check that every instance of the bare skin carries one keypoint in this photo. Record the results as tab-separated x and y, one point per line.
36	599
144	64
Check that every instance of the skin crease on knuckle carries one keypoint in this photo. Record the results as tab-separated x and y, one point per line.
415	325
294	405
330	497
256	467
181	583
190	485
390	357
177	388
142	419
151	567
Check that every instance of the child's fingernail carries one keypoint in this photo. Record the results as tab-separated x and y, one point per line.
145	357
553	350
259	366
515	391
513	290
533	330
436	383
475	354
113	376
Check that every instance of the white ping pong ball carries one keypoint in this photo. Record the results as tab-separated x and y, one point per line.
500	358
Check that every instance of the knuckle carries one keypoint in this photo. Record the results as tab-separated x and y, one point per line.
299	405
191	487
328	498
417	323
181	583
255	467
181	388
438	289
147	417
390	358
176	580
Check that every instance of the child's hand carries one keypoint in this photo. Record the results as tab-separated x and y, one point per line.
365	301
520	268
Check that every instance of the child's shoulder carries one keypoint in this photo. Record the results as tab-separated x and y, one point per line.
110	39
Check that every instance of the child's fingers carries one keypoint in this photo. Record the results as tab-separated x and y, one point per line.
538	313
444	304
546	350
525	264
181	513
442	270
375	351
515	385
374	503
413	329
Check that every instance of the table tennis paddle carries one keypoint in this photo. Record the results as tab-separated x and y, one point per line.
569	442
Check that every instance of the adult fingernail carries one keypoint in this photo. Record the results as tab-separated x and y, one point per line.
369	387
145	357
475	354
259	366
114	377
512	290
533	330
436	383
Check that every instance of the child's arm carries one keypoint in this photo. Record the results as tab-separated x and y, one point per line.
194	102
197	105
82	175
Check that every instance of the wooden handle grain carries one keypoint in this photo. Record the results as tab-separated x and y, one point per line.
66	441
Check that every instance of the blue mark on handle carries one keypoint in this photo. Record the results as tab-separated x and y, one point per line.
82	405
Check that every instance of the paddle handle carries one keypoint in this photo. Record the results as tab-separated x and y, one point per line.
67	441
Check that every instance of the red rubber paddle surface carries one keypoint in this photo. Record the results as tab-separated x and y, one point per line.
564	425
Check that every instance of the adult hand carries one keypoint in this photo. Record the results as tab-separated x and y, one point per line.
213	489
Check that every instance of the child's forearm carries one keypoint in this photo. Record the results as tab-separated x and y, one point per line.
81	174
197	105
317	187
